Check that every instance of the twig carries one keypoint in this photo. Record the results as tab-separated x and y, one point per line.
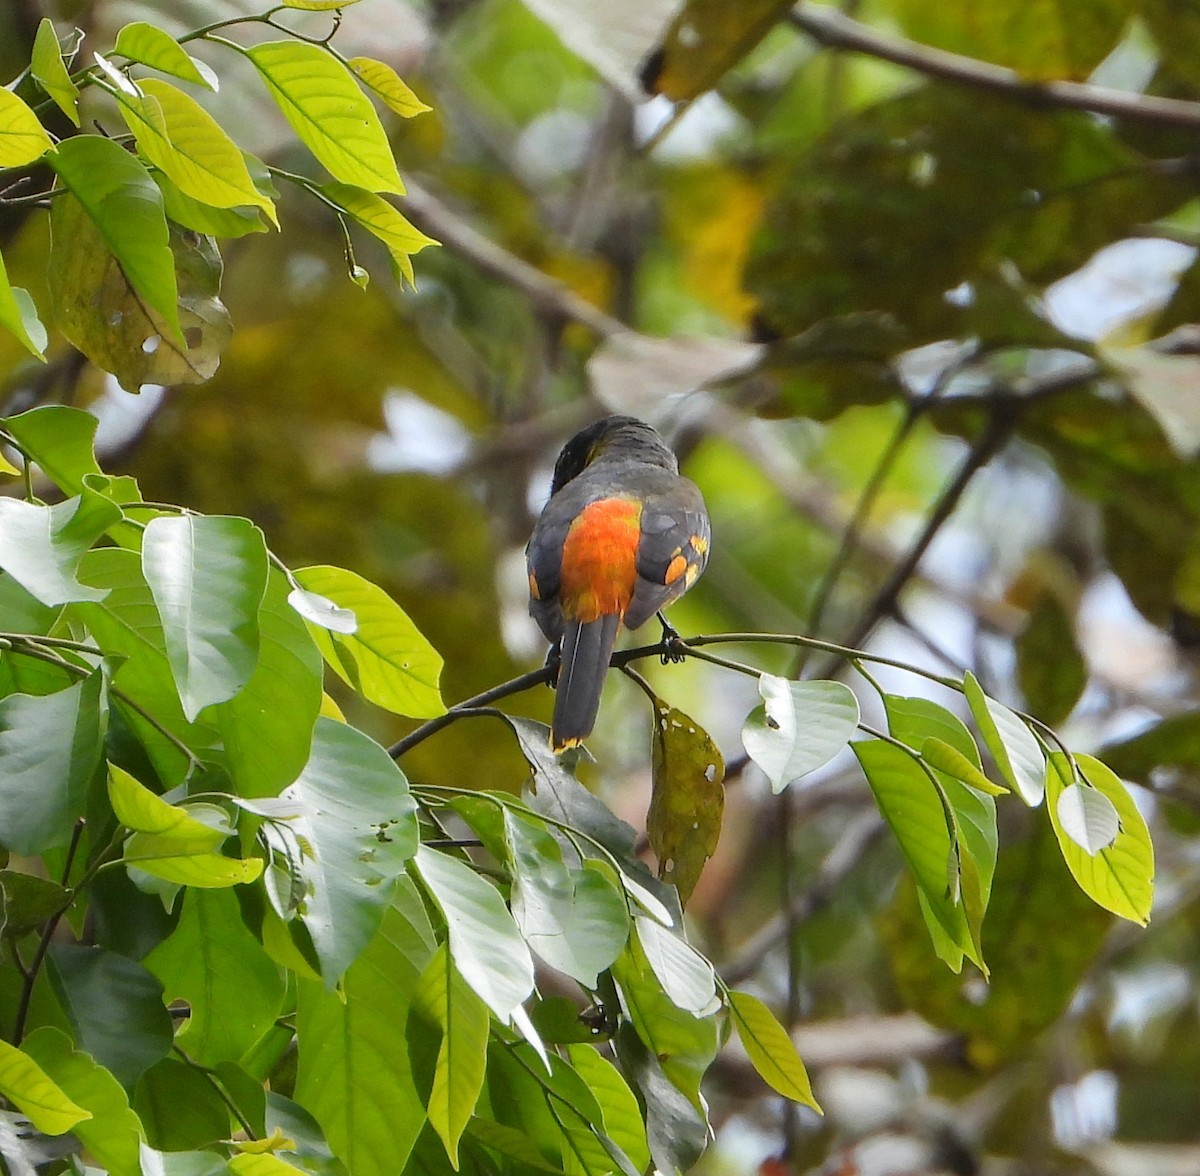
835	31
551	296
997	432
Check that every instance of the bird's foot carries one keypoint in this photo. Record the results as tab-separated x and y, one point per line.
673	647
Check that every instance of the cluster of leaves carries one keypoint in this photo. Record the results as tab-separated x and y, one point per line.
165	738
134	266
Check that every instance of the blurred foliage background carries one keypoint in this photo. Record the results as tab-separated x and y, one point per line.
924	333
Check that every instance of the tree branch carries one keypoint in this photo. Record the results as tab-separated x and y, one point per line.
833	30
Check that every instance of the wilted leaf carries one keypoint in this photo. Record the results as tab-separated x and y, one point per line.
122	201
706	38
106	318
688	798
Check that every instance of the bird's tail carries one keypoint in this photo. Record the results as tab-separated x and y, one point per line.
586	649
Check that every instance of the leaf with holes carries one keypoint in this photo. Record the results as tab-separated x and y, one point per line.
688	798
122	200
799	728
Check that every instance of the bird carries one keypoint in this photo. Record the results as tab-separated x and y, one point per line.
622	536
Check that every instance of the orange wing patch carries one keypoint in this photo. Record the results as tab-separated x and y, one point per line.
599	560
675	569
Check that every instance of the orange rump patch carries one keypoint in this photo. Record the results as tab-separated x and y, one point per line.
599	560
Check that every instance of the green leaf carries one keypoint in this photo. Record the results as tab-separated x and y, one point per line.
115	1008
940	756
25	1084
446	1000
26	901
557	794
50	747
685	975
355	1067
181	1109
1119	877
386	84
510	1143
50	71
1041	938
267	727
914	721
203	218
331	115
22	138
1010	743
181	861
233	990
358	829
575	920
381	220
123	201
621	1115
113	1132
909	803
19	315
386	659
485	944
176	134
800	727
687	800
771	1051
207	575
139	809
40	546
126	626
151	46
1088	818
61	440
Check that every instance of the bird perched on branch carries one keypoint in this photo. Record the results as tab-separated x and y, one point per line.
622	536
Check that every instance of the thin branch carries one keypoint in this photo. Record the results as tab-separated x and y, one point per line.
993	438
551	296
833	30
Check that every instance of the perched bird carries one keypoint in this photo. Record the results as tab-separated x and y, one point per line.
622	536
